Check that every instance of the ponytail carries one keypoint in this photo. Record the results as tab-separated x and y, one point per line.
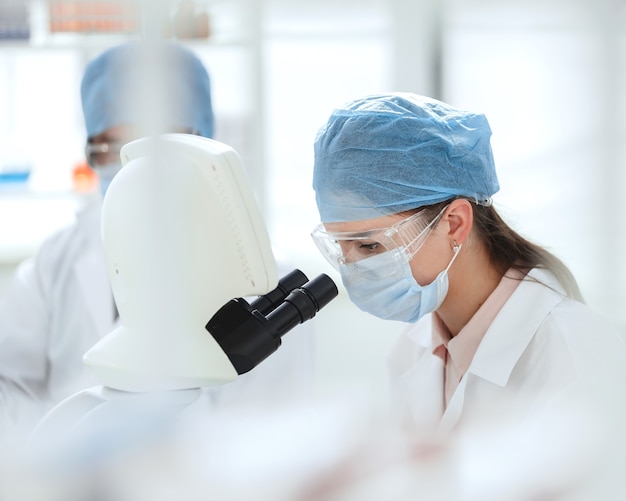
508	249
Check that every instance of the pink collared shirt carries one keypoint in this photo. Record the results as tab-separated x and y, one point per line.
457	352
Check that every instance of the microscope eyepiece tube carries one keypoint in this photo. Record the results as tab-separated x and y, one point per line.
266	303
302	304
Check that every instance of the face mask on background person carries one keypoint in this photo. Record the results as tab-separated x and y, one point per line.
104	159
106	173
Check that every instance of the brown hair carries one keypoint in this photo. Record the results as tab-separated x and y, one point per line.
508	249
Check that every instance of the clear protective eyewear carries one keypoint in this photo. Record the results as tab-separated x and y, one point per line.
351	247
99	154
108	152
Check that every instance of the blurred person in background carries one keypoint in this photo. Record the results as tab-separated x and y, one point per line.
59	303
403	186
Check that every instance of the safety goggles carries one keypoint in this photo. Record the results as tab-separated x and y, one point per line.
106	153
350	248
99	154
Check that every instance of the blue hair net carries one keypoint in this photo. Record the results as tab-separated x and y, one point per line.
384	154
113	83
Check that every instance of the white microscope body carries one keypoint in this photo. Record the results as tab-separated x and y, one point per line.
183	236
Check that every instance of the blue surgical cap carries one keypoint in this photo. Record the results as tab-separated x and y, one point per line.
113	83
388	153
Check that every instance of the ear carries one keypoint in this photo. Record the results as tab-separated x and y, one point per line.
460	217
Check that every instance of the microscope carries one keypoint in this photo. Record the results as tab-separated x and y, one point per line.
185	246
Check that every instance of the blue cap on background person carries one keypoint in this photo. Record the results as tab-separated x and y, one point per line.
388	153
112	86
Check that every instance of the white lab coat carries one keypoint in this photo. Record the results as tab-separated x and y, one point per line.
540	348
59	304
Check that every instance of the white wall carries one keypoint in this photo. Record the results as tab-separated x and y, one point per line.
550	77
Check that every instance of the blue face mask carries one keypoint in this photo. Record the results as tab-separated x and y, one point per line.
106	173
384	286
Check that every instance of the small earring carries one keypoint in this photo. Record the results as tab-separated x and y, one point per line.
455	247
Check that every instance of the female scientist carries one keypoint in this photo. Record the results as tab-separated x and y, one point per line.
403	186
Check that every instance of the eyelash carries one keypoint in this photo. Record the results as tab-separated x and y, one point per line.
371	246
370	249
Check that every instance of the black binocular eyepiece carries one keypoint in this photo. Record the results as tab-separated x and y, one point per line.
249	332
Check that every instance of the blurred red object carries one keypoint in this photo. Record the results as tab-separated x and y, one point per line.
84	179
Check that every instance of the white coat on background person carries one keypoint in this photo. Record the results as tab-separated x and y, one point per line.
59	303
